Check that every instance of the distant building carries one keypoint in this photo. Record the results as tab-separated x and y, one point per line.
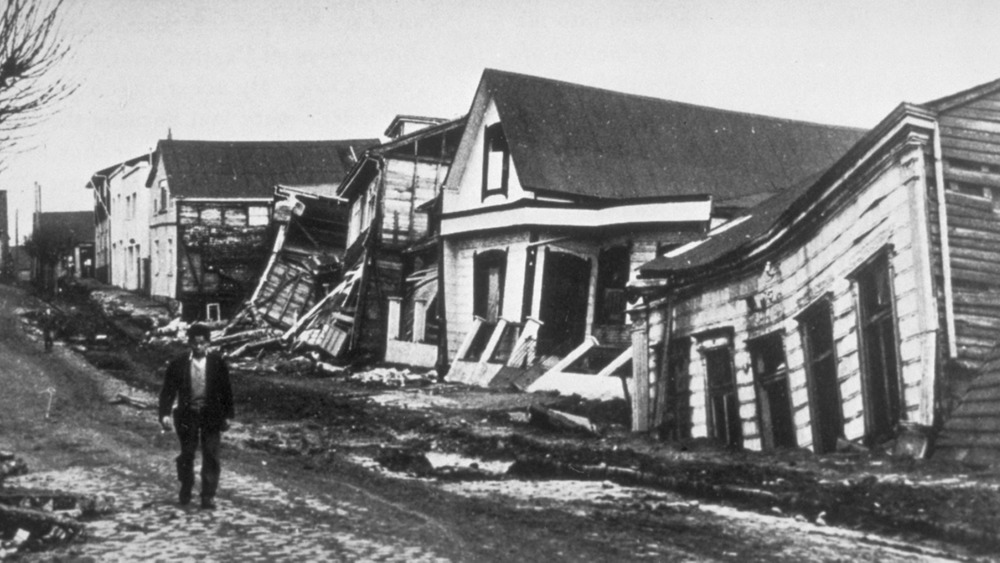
67	240
121	231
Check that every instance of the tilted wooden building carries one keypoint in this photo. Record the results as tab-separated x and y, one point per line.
392	245
560	191
849	304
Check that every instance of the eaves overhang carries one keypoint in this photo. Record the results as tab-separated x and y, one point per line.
536	214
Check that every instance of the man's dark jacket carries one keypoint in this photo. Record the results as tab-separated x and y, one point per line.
218	392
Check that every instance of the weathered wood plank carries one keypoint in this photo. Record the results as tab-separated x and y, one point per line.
957	132
987	103
975	423
964	200
983	153
970	124
971	176
980	113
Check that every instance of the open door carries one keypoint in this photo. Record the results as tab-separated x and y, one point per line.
565	292
816	324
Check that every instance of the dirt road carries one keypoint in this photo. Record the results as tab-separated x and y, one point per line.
276	507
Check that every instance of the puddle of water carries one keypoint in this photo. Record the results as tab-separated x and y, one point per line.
439	460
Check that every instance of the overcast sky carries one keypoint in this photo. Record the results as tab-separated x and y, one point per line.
326	69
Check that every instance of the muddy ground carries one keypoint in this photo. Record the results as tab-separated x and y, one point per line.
311	416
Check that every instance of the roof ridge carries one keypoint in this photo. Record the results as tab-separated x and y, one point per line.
489	71
269	142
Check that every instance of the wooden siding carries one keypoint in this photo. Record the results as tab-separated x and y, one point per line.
407	185
819	268
970	143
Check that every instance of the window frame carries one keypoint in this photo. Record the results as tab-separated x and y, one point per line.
495	141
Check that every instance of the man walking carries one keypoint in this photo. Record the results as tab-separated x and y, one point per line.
200	383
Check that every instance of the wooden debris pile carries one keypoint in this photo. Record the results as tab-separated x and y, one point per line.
32	519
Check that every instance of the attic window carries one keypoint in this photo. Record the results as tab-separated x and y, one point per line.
496	161
164	196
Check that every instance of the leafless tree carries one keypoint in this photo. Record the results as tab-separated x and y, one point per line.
30	50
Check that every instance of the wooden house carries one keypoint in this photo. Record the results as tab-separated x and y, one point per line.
559	191
848	306
210	219
121	212
392	252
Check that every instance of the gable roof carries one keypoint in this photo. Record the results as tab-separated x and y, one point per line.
251	169
103	175
79	225
583	141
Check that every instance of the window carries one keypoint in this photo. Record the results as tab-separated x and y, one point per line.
774	401
489	271
496	161
723	403
612	277
880	366
816	326
164	196
258	215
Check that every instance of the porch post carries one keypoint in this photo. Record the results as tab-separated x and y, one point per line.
392	330
640	375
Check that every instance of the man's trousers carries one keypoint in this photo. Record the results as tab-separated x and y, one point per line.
192	431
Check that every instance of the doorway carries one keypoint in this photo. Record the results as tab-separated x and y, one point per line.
816	324
565	296
774	401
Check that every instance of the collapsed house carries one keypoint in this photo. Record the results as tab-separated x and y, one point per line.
559	191
846	306
392	256
210	224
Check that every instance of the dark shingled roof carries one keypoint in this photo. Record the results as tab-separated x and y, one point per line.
570	139
78	225
239	169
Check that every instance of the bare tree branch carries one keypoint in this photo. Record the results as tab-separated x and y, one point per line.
30	51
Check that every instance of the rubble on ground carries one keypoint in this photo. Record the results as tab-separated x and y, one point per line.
33	519
393	377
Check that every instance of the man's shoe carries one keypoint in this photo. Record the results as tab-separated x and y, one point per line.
207	504
184	498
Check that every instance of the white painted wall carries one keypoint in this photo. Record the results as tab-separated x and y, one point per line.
163	240
466	192
888	211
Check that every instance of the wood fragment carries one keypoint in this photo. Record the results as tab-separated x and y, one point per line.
560	420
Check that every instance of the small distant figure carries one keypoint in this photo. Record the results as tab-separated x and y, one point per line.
48	326
200	383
